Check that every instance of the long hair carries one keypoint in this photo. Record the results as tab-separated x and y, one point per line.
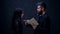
17	13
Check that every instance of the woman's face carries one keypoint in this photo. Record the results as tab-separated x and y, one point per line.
22	15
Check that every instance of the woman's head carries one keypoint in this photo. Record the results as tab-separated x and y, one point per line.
18	13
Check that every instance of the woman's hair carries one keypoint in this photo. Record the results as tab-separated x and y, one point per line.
17	13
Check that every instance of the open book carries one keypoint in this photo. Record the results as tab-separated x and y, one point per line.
34	23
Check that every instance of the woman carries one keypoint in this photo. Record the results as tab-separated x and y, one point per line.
17	21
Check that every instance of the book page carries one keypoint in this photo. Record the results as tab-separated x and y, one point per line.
34	23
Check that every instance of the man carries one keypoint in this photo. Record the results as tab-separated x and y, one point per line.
43	19
17	21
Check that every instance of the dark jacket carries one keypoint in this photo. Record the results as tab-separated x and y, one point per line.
44	24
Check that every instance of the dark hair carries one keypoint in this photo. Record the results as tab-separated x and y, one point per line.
16	16
43	4
17	13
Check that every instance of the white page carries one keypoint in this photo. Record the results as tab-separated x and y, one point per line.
34	23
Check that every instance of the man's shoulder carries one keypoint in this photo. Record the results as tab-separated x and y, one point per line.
46	15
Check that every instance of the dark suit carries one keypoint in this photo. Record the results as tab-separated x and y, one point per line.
17	26
44	24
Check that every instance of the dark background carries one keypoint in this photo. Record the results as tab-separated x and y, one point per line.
8	7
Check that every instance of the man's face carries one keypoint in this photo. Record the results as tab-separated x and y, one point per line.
39	8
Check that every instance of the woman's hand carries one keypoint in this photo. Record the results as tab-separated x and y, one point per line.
26	22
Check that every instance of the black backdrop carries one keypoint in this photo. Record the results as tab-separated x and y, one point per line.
8	7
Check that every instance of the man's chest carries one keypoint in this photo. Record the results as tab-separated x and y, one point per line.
42	20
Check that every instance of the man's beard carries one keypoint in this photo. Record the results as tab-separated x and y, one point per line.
40	13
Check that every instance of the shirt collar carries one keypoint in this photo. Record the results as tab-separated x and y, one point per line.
41	15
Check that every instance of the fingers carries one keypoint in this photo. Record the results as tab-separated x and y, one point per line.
26	22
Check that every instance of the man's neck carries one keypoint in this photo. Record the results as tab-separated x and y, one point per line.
41	14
